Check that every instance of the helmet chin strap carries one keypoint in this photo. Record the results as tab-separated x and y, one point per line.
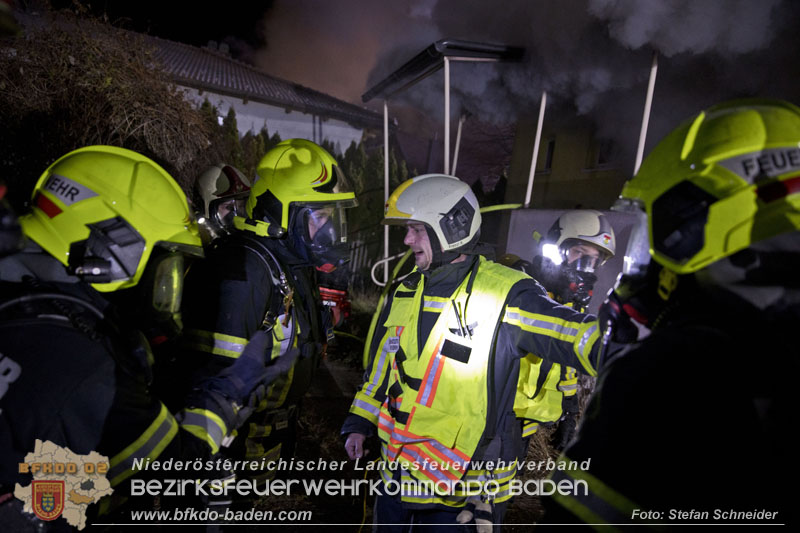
439	257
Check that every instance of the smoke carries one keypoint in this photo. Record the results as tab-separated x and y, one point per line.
591	56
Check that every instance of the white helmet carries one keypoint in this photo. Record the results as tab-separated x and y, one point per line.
586	226
219	181
444	203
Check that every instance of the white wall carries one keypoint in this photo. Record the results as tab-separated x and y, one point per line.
251	116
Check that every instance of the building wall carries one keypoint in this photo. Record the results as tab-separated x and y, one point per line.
253	116
574	178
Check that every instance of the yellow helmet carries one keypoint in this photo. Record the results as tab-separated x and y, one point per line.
100	210
726	179
296	171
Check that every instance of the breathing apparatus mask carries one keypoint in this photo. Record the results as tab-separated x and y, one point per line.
319	233
221	214
570	282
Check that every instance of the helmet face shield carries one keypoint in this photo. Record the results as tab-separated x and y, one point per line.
222	210
581	256
323	231
637	254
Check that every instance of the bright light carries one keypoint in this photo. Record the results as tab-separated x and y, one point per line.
551	252
201	220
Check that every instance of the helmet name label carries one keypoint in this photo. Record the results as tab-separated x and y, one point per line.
66	190
764	163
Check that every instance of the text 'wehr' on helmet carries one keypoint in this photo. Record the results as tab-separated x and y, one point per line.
103	210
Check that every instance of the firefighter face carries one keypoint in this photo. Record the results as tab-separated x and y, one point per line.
583	257
417	239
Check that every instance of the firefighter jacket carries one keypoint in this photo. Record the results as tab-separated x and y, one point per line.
697	418
545	391
71	375
248	283
437	388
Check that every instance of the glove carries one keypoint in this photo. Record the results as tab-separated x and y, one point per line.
615	321
246	380
565	431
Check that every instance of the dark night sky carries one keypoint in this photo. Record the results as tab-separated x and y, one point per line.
194	23
592	56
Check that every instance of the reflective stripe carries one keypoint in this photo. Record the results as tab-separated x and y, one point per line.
567	388
205	425
376	411
543	324
376	378
428	389
215	343
150	444
431	305
529	428
602	504
587	342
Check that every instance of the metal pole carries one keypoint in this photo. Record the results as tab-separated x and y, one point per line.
535	155
446	115
458	143
646	116
385	186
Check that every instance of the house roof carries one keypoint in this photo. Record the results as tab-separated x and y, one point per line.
213	71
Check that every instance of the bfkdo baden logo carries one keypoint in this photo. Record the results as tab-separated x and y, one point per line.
63	485
48	499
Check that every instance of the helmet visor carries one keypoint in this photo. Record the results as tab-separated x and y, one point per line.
222	210
637	254
324	226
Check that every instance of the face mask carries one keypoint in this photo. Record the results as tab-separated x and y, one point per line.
321	231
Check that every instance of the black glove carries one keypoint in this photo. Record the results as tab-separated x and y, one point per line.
252	371
565	431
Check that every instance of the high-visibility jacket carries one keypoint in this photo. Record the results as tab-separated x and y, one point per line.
437	386
69	374
543	389
247	283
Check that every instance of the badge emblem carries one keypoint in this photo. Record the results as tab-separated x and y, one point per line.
48	499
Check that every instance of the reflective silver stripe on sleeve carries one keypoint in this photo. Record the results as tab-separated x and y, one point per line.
207	424
542	324
379	370
585	339
367	407
156	437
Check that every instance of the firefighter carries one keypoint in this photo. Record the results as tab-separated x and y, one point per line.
711	270
575	246
263	277
106	223
223	191
447	344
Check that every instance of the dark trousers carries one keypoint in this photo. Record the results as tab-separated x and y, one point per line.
389	516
